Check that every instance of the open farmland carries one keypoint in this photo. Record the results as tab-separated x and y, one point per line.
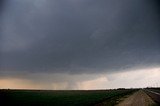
61	98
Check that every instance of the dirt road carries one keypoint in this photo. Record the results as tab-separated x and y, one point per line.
139	98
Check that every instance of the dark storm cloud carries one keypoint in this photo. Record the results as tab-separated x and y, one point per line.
2	2
157	5
79	36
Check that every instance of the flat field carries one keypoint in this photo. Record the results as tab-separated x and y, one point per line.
61	97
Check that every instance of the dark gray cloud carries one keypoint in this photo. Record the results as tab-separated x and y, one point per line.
157	3
79	36
2	3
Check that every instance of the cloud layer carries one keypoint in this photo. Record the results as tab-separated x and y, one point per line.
129	79
78	36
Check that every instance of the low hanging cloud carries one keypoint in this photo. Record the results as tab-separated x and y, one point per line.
78	36
129	79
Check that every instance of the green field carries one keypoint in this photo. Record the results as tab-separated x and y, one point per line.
61	98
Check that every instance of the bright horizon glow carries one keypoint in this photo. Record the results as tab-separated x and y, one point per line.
128	79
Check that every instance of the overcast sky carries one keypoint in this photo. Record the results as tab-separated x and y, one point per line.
79	44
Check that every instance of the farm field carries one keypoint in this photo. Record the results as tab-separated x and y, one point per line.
61	98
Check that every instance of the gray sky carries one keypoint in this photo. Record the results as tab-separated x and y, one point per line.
86	38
